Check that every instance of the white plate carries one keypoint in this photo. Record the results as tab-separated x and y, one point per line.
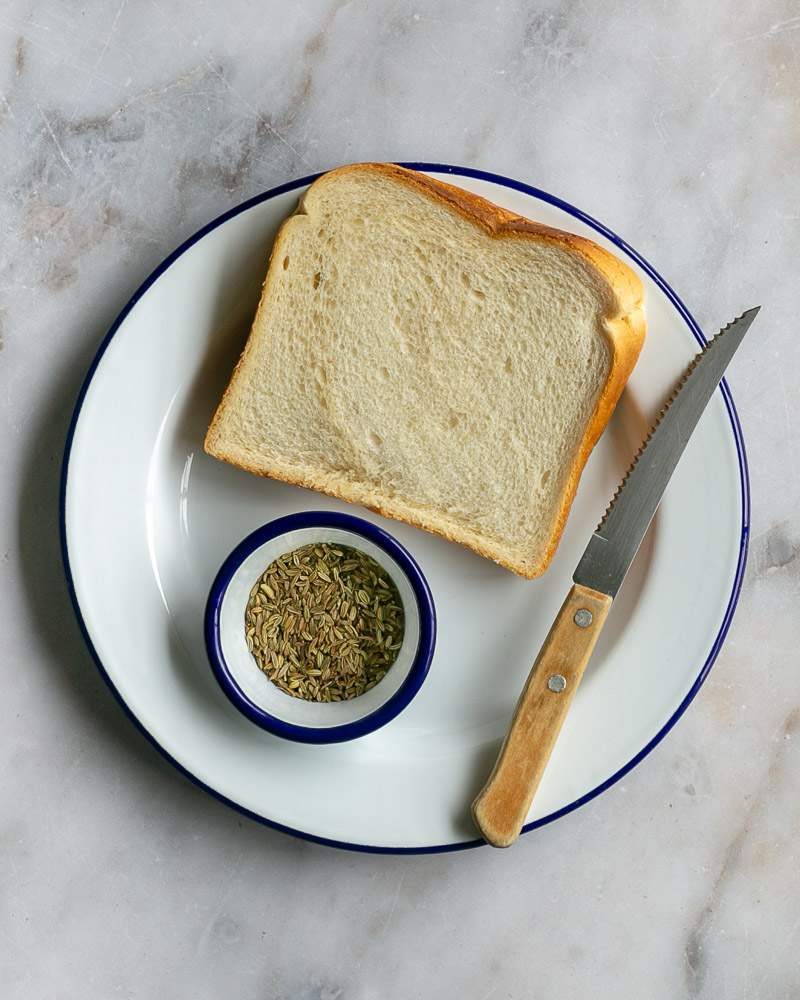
148	519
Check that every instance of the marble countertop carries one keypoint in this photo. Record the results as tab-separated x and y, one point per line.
126	125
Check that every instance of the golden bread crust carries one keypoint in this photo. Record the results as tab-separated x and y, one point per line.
625	331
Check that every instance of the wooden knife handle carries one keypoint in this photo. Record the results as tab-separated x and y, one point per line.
502	807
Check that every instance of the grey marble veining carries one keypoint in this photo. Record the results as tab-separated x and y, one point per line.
126	125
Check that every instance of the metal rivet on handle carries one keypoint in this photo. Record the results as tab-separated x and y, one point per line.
557	683
583	618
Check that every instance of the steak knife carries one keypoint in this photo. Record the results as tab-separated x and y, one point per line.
502	806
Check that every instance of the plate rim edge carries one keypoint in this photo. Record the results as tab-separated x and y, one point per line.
694	328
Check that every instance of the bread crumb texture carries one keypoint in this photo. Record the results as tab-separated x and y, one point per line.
407	357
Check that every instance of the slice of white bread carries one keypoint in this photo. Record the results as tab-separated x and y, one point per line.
429	355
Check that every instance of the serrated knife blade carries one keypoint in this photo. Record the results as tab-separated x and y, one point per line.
501	808
617	538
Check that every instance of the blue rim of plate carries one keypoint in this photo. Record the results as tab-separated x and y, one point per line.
422	657
744	481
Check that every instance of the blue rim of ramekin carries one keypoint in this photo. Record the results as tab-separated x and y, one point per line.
744	492
422	658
